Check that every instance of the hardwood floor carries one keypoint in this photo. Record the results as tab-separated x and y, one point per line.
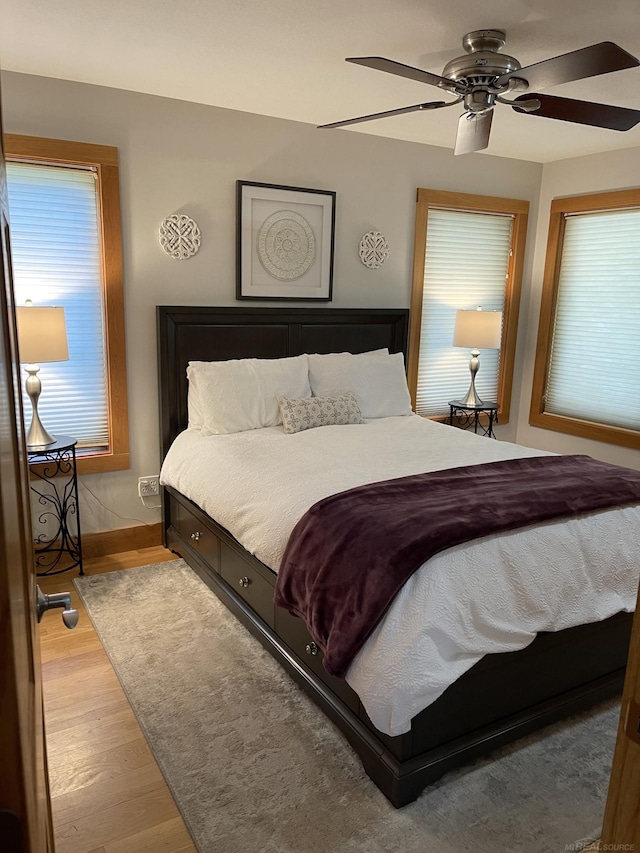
108	794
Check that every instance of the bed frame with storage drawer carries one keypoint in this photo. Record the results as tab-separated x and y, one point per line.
501	698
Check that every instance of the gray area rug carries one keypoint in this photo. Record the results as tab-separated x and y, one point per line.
255	766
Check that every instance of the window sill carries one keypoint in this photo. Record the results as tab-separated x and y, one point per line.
98	462
586	429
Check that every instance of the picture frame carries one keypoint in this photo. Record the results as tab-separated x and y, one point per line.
284	242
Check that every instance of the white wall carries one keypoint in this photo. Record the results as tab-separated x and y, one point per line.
591	174
182	157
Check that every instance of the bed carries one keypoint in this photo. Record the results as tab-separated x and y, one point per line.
498	699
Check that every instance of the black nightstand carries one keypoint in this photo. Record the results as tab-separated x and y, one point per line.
55	481
465	416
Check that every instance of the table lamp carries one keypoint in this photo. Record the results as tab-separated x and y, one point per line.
478	330
42	337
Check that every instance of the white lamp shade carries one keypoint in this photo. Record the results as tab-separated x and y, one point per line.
42	334
478	329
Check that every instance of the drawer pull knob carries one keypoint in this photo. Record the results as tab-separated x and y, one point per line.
245	581
196	536
311	649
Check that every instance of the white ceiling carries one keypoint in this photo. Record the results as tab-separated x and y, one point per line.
285	58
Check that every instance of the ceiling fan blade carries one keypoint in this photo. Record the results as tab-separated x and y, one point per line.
473	132
600	58
379	63
434	105
581	112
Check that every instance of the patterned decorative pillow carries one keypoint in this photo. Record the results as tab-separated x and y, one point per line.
308	412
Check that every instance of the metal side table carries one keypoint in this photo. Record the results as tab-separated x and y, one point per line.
55	481
469	416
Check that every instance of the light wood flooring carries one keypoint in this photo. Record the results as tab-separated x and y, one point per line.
113	798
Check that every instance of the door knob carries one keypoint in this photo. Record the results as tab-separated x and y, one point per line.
58	599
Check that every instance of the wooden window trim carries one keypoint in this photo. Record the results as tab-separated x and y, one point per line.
519	209
617	200
104	159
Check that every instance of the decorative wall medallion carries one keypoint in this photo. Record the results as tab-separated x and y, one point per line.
373	249
179	236
286	245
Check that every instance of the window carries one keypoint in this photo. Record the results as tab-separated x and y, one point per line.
586	376
64	211
468	252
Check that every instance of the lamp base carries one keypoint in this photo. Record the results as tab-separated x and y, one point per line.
37	435
472	397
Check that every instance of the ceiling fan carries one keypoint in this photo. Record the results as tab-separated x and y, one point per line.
483	77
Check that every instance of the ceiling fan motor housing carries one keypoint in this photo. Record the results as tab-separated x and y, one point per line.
482	64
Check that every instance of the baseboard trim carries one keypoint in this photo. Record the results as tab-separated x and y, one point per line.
122	539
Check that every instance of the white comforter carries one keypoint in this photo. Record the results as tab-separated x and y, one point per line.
491	595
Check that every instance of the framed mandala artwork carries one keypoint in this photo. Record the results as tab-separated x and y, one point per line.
285	238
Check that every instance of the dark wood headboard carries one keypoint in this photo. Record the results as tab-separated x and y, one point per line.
213	334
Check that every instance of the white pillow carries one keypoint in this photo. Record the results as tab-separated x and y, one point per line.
194	409
377	381
242	394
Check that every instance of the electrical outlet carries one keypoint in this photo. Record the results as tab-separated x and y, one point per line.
148	487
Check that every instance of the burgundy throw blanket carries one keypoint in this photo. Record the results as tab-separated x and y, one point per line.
350	554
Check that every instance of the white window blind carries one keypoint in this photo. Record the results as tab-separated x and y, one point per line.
593	371
57	260
466	266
